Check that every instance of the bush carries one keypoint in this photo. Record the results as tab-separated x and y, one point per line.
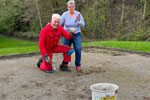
95	17
8	16
102	17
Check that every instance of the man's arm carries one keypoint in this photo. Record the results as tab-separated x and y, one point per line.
66	34
42	38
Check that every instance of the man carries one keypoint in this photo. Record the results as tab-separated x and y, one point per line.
48	44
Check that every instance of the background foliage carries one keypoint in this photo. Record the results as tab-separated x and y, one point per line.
127	20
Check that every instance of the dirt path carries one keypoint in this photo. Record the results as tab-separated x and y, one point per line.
20	79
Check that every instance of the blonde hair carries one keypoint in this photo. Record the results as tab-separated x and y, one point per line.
71	2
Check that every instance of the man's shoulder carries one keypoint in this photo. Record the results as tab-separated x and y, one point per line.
59	27
47	27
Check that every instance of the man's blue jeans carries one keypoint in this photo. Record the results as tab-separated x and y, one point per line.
77	47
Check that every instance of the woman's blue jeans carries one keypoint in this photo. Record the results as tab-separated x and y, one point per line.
76	41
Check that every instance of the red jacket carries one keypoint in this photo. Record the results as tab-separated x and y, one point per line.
49	38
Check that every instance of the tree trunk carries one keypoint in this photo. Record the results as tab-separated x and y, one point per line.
122	12
39	14
144	11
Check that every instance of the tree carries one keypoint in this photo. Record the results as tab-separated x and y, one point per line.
144	10
9	12
122	12
39	15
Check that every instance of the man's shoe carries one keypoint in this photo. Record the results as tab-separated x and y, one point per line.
49	71
64	67
78	68
39	62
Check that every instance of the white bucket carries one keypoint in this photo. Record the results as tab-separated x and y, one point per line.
104	91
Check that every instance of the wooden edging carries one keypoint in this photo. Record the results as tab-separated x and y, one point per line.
19	55
86	47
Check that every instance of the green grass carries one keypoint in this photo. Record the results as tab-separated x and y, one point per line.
130	45
13	46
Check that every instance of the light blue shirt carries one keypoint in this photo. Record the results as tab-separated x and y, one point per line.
69	22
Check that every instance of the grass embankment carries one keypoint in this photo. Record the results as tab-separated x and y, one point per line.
130	45
12	46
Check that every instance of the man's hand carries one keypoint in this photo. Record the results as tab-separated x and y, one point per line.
72	31
47	59
71	36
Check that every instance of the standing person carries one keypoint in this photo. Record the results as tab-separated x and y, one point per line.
72	21
48	44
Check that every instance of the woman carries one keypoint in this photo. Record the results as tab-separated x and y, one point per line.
72	21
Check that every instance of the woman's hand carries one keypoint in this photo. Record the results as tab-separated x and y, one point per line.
78	17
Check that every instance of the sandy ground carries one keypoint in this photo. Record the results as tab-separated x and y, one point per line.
20	79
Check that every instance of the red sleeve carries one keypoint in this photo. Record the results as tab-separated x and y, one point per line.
65	33
42	39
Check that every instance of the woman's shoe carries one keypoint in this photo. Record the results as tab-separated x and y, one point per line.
78	68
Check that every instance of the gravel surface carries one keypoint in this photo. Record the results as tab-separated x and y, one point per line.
20	79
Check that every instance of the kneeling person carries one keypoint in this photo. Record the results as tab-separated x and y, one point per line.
48	44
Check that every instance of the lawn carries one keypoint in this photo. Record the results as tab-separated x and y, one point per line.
130	45
14	46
